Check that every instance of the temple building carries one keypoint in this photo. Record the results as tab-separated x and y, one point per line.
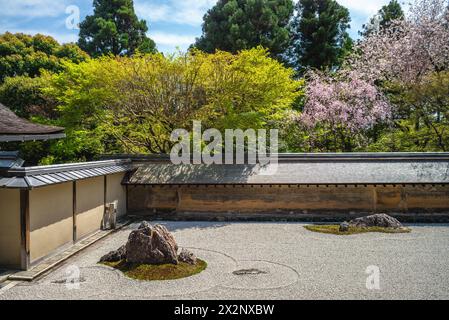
44	209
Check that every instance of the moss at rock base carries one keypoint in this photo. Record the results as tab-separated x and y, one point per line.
335	229
158	272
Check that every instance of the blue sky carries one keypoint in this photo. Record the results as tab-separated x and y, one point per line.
172	23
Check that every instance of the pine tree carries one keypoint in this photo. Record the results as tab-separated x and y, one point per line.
114	28
234	25
319	34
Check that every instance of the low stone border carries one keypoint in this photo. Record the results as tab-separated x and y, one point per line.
4	275
50	263
6	285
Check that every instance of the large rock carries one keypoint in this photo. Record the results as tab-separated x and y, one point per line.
151	245
146	245
115	256
376	220
187	257
144	224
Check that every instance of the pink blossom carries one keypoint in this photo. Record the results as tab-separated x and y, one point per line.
410	49
344	100
406	52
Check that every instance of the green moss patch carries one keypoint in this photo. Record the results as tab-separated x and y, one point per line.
335	229
158	272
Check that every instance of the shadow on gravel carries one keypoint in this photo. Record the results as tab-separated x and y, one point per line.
201	225
180	225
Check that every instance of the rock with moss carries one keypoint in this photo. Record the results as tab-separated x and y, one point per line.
151	245
146	245
376	220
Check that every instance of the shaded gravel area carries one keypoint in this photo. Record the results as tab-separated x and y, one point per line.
286	262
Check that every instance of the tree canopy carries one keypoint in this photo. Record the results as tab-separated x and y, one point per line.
25	55
398	73
388	93
132	104
319	34
114	28
233	25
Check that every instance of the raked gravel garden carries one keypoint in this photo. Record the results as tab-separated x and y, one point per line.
265	261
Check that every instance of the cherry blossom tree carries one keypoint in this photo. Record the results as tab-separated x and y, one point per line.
351	101
409	49
408	60
345	100
343	105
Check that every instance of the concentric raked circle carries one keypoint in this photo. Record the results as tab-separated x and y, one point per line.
259	275
219	266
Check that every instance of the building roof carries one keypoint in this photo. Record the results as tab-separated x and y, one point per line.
312	169
10	159
33	177
292	169
13	128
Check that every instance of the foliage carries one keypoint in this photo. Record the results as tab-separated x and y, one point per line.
31	151
23	58
248	90
23	95
135	103
319	34
81	102
422	122
386	92
225	91
26	55
114	28
244	24
153	95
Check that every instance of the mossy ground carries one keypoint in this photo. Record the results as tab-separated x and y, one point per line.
335	229
158	272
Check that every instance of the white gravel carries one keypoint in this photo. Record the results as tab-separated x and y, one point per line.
295	264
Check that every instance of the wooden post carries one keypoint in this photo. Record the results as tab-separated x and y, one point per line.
105	189
178	199
375	199
106	213
127	201
404	201
24	229
75	236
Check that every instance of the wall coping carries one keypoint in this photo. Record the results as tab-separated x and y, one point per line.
33	177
